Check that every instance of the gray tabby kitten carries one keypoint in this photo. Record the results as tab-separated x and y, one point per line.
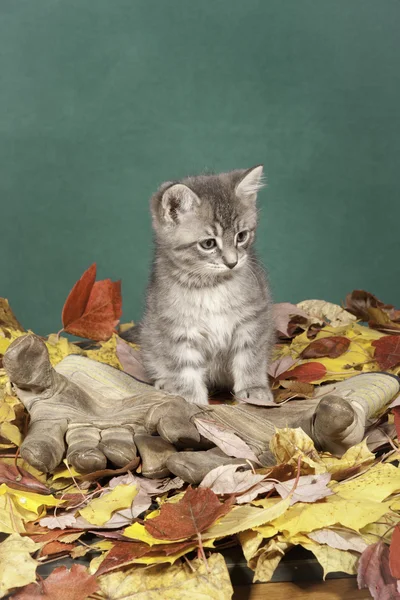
208	321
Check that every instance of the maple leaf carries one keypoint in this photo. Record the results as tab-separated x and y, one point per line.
332	347
197	510
312	371
93	308
387	351
374	573
394	553
62	584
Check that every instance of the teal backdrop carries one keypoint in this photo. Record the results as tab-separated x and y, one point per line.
102	100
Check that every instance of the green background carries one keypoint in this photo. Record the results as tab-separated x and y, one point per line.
102	100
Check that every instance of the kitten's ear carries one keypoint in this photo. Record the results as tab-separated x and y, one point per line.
251	182
174	202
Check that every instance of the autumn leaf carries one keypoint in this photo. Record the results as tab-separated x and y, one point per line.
387	351
197	510
394	553
309	488
20	479
341	539
308	372
7	317
332	347
93	308
100	510
326	311
288	317
374	573
17	567
62	584
226	479
367	307
129	358
225	439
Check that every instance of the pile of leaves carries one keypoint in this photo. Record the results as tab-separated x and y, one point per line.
160	538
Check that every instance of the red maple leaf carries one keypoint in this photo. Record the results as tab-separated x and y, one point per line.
197	510
387	351
394	553
312	371
374	573
93	308
62	584
332	346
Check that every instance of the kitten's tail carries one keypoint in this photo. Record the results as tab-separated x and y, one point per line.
132	334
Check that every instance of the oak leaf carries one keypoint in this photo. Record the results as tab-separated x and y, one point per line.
333	347
197	510
374	573
307	373
62	584
93	308
387	351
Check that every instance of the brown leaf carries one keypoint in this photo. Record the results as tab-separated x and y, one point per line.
312	371
130	361
131	466
387	351
7	317
374	573
332	346
289	318
19	479
197	510
369	308
56	547
394	553
93	309
62	584
299	388
125	553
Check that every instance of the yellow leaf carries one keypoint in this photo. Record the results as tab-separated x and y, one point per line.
250	541
11	432
138	532
59	348
17	567
379	482
107	353
10	519
267	559
358	455
12	334
65	473
354	514
99	511
245	517
288	444
267	531
29	500
384	531
7	412
197	582
333	560
162	558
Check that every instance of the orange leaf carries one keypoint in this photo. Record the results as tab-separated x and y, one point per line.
93	308
197	510
62	584
332	346
387	351
394	554
312	371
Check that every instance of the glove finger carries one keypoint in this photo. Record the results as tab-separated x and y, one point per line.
44	446
154	452
83	452
118	446
180	432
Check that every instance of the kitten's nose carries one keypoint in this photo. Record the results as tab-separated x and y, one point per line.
230	259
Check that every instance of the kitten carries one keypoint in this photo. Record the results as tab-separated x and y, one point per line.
208	321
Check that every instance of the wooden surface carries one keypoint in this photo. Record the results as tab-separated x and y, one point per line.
334	589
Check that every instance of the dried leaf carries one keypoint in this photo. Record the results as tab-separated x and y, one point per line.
197	510
62	584
225	439
21	479
129	358
387	351
7	317
333	560
377	484
226	479
29	500
280	365
394	553
283	314
327	311
374	573
332	347
367	307
99	511
287	445
197	581
17	567
266	560
58	522
92	309
307	373
339	539
310	488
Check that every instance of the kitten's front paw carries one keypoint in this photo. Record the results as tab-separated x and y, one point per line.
260	395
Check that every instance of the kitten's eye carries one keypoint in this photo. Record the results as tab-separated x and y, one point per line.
208	244
242	237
